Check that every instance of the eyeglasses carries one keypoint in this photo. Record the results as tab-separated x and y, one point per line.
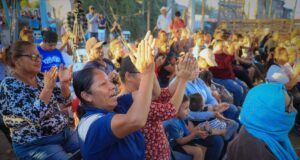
33	57
134	72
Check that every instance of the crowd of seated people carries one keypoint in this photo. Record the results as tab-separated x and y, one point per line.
177	95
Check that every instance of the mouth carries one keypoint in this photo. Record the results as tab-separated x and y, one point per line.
114	95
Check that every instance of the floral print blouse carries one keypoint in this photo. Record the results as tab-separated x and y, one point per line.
26	115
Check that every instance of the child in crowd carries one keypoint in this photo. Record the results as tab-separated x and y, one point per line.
182	137
219	125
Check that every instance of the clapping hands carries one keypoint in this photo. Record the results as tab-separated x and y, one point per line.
50	78
65	74
186	66
143	57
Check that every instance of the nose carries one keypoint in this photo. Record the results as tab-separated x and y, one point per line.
111	86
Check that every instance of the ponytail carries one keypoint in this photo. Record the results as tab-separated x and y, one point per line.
80	111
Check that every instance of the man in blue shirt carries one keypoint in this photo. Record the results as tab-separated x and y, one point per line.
51	55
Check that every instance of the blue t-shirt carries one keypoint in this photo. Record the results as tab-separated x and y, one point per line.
97	140
176	128
50	58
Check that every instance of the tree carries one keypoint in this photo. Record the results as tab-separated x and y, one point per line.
130	14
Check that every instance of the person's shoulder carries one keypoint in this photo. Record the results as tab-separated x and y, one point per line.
9	80
274	68
91	64
125	97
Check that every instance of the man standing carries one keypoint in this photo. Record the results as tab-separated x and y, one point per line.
51	55
163	21
93	21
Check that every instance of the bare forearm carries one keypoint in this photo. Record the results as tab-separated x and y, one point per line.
62	47
139	110
292	82
176	99
65	90
46	95
172	86
156	88
186	139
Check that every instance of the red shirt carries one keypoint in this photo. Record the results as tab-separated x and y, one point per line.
224	70
177	24
157	145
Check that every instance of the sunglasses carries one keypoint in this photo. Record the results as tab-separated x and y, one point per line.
33	57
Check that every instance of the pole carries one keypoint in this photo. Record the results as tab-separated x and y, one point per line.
203	14
270	9
294	16
4	4
193	16
43	13
256	9
148	14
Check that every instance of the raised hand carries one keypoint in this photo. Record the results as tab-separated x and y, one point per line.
50	78
186	67
160	61
65	75
143	57
221	107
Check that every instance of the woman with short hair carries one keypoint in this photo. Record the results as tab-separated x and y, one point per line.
30	105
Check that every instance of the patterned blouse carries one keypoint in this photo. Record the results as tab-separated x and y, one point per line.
27	116
157	145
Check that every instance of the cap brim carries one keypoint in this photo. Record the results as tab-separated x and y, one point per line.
211	63
97	45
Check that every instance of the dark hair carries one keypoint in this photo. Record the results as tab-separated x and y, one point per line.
14	51
50	37
177	14
206	76
196	102
185	98
82	82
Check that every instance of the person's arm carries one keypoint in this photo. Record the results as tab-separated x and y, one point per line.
184	70
158	22
91	19
200	116
292	82
186	139
49	84
210	98
32	109
64	40
136	117
156	88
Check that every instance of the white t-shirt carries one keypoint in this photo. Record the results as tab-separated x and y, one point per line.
163	23
277	74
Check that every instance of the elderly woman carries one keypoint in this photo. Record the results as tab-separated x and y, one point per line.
30	106
260	138
109	126
279	73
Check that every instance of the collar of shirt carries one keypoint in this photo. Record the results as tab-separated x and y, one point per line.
92	109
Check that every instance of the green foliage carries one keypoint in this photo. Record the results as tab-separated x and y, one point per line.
24	3
131	14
